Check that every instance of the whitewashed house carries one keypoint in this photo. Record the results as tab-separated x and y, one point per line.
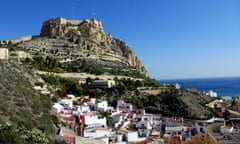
137	114
93	100
200	127
116	117
148	117
227	130
143	128
102	106
83	108
173	128
68	103
143	125
157	125
157	122
124	107
93	119
212	93
128	135
143	132
177	86
58	107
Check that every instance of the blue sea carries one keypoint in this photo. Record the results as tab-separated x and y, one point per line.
223	86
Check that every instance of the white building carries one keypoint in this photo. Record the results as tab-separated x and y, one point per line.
211	93
226	129
4	54
117	119
102	106
172	128
67	102
143	128
103	83
123	106
93	119
58	107
128	135
172	125
177	86
148	117
143	125
83	108
200	128
143	132
93	100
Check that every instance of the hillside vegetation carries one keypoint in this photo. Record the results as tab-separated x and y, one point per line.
20	104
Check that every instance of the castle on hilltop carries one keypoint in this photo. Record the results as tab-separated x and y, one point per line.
63	21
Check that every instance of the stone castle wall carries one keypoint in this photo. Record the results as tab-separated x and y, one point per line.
4	54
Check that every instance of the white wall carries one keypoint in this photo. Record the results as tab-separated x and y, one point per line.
143	132
4	54
83	109
145	123
132	136
93	119
68	102
173	128
122	106
102	106
116	119
58	107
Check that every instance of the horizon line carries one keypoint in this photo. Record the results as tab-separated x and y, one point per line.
207	77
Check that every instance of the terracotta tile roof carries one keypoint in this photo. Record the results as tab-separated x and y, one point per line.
69	118
117	115
126	130
147	140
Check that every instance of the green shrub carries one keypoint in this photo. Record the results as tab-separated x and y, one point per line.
11	134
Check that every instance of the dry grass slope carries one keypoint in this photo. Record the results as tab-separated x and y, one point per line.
19	102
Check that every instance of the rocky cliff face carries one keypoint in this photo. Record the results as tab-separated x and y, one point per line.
89	35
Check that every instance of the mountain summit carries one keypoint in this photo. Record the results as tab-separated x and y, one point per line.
87	40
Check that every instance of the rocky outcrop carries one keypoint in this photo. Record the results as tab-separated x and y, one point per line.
89	35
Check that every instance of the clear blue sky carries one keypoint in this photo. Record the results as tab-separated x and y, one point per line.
173	38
